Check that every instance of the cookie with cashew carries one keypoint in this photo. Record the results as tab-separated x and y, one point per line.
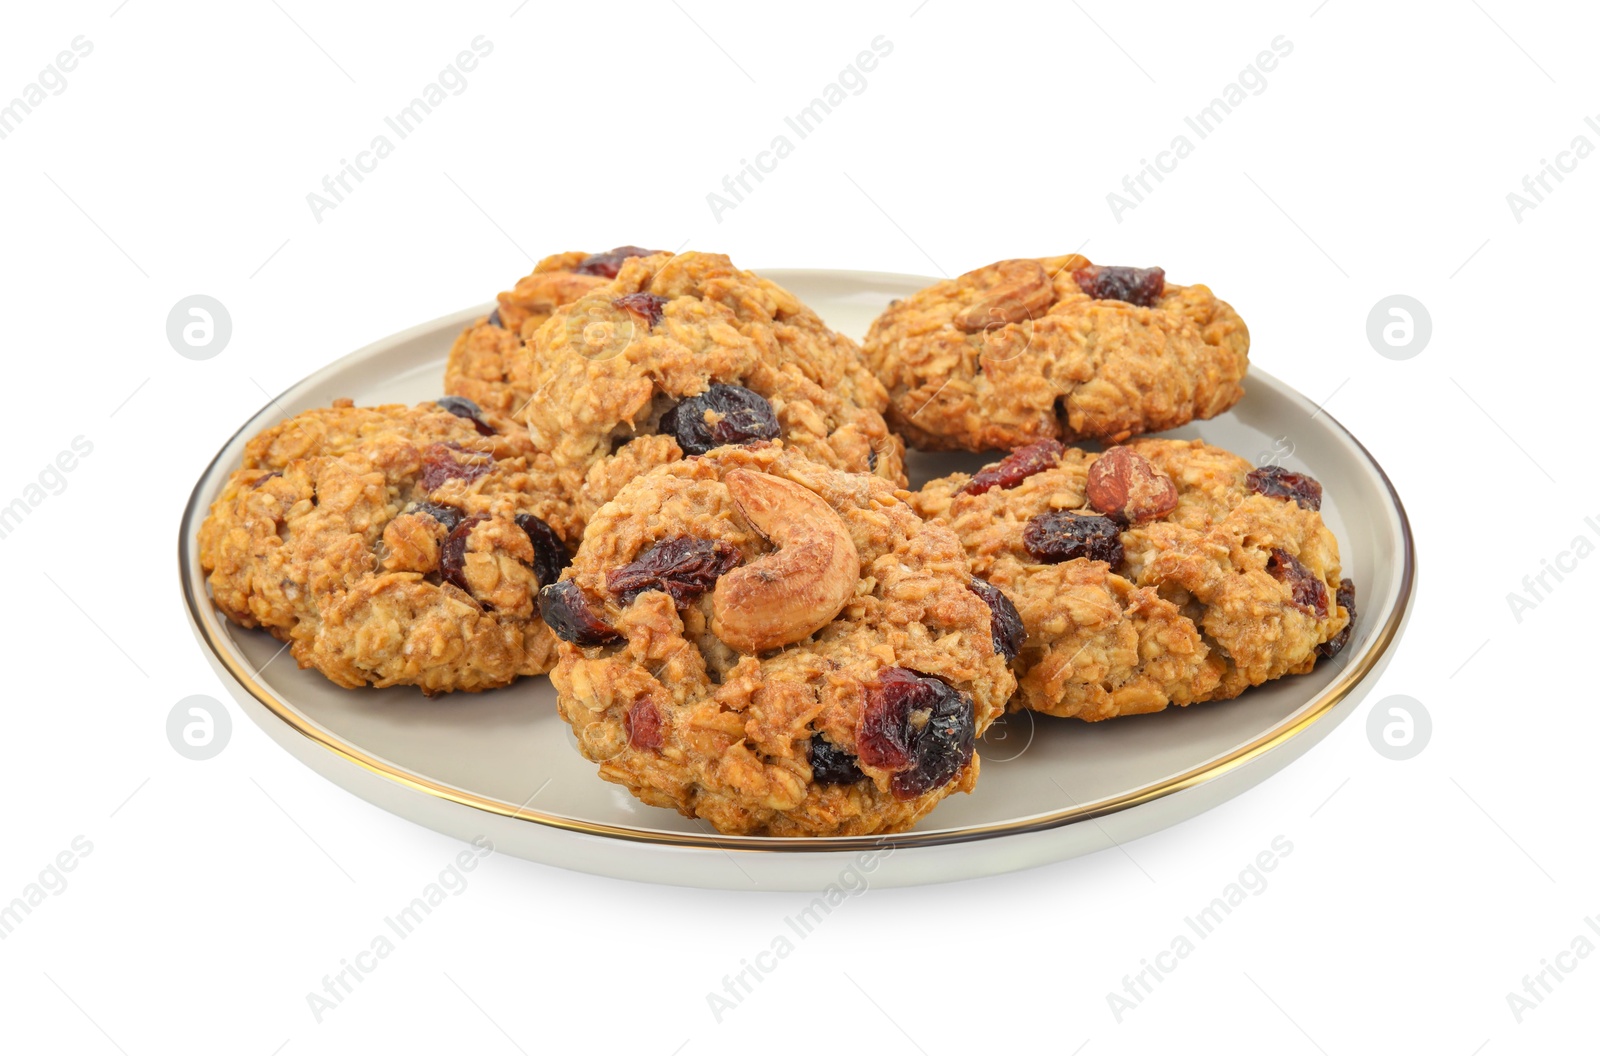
1057	348
681	354
1159	572
486	363
392	545
777	647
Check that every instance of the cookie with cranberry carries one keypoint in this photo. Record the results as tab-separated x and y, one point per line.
776	646
1057	348
486	364
682	354
392	545
1158	572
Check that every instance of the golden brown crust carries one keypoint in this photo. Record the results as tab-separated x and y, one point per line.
1060	364
606	375
736	729
1192	612
318	539
486	364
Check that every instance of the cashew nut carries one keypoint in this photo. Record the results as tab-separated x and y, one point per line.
784	596
1014	290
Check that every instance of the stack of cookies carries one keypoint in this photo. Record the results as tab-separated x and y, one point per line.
666	482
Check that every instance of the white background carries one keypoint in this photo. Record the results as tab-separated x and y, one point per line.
1377	160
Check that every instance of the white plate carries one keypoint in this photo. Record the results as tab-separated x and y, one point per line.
468	764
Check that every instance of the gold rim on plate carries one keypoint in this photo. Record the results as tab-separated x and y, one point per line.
209	626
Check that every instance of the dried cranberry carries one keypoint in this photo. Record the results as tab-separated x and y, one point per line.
1306	590
566	611
1062	535
494	319
607	264
832	765
683	566
453	555
1279	483
647	306
449	516
1016	467
918	727
439	464
743	416
549	552
462	407
1141	286
642	724
882	737
1005	623
1346	598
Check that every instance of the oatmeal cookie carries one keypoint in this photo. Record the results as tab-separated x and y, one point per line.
392	545
1055	347
681	354
486	364
776	647
1159	572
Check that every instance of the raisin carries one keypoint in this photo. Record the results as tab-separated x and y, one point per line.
1306	590
832	765
453	555
1005	623
607	264
1346	598
1016	467
683	566
1140	286
462	407
647	306
549	552
642	723
1062	535
494	319
565	611
449	516
918	727
1279	483
263	479
439	464
872	459
743	416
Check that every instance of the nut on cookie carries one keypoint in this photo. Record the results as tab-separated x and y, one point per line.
1158	572
777	647
1054	348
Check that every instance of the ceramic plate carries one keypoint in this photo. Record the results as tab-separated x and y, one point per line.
503	765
